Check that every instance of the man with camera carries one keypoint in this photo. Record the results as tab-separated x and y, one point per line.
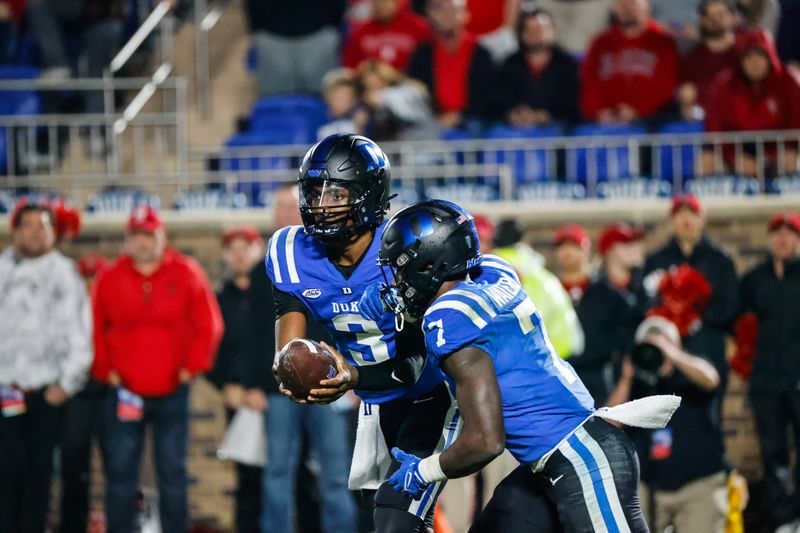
683	468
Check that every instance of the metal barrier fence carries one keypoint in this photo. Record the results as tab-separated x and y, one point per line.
470	171
140	137
551	167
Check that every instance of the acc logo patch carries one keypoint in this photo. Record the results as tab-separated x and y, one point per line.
312	294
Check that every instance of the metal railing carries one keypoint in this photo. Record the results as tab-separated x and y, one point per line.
554	167
45	142
205	18
483	171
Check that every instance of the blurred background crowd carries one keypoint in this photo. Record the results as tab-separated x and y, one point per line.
119	377
106	353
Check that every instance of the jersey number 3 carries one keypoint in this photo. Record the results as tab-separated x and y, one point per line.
367	334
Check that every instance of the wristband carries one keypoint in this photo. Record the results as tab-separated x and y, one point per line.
430	469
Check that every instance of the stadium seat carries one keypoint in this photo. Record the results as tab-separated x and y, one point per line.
19	102
297	116
454	134
610	162
684	152
286	128
16	103
531	165
251	178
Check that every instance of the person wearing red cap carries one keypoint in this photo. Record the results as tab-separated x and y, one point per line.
45	354
771	292
690	244
759	94
243	300
611	309
683	463
157	326
573	256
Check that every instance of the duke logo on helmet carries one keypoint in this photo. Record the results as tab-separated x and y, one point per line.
344	187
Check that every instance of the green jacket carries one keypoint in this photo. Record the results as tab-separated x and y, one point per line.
549	296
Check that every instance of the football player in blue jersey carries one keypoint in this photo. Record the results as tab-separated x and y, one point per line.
320	269
578	472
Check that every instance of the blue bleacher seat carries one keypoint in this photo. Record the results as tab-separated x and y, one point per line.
298	117
16	103
530	165
286	129
611	163
19	102
248	167
297	103
454	134
685	153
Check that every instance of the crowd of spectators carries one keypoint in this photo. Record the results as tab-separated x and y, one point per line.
631	324
555	63
659	324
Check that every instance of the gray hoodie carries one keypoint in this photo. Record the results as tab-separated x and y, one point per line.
45	322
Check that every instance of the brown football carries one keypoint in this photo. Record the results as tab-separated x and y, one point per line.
302	364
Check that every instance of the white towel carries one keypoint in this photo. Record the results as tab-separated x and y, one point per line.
651	412
246	440
371	459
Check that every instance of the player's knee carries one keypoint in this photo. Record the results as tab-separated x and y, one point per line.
391	520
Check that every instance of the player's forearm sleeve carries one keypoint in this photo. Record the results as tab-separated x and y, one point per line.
392	374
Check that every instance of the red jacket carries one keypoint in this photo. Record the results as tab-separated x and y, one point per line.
737	105
392	43
149	327
701	67
641	72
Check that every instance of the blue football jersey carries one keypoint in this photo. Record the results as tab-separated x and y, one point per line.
298	265
543	398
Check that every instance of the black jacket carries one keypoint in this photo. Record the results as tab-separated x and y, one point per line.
722	308
776	303
691	446
248	345
556	90
609	316
480	102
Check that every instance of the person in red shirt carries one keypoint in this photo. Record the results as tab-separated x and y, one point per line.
456	69
573	256
391	36
157	325
760	94
715	53
630	71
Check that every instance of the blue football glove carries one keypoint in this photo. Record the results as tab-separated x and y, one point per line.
373	303
407	478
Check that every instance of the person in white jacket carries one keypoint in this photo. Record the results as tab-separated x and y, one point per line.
45	355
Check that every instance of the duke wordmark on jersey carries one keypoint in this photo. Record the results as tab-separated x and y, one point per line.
298	265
